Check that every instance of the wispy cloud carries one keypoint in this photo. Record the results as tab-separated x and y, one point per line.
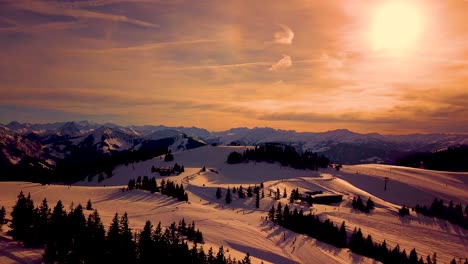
39	28
93	3
282	64
55	8
284	37
221	66
146	47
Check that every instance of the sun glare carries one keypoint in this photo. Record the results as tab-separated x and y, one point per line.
396	27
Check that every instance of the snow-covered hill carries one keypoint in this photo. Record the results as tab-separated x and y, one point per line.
406	186
240	227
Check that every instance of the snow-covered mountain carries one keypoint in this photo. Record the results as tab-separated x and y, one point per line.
80	148
56	141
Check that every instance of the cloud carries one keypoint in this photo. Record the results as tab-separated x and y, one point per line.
149	46
39	28
52	8
332	63
282	64
94	3
284	37
221	66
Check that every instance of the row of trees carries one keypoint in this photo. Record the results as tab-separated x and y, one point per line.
329	233
451	159
69	237
166	187
359	205
453	213
177	169
250	192
284	154
404	210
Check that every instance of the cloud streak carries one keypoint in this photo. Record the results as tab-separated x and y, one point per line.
282	64
284	37
147	47
54	8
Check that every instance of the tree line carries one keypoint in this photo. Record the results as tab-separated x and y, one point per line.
452	213
451	159
177	169
250	192
68	237
326	231
167	187
359	205
284	154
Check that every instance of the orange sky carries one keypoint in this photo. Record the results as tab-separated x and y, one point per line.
302	65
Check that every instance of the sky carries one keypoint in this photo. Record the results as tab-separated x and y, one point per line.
306	65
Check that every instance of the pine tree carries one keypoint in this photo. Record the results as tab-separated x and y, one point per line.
413	256
263	194
43	224
285	195
77	232
128	253
145	244
240	192
131	184
113	240
22	217
249	192
279	214
220	257
228	196
286	215
428	260
218	193
246	259
271	214
201	256
342	237
59	239
89	205
2	216
277	195
95	249
210	257
370	204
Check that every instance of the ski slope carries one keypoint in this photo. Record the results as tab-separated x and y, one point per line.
241	228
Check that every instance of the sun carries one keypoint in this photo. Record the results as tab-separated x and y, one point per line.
396	27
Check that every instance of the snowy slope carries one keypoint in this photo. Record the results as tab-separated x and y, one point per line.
240	228
406	186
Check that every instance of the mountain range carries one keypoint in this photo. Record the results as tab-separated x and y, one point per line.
45	147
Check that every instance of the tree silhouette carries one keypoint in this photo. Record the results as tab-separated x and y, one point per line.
218	193
228	198
89	205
